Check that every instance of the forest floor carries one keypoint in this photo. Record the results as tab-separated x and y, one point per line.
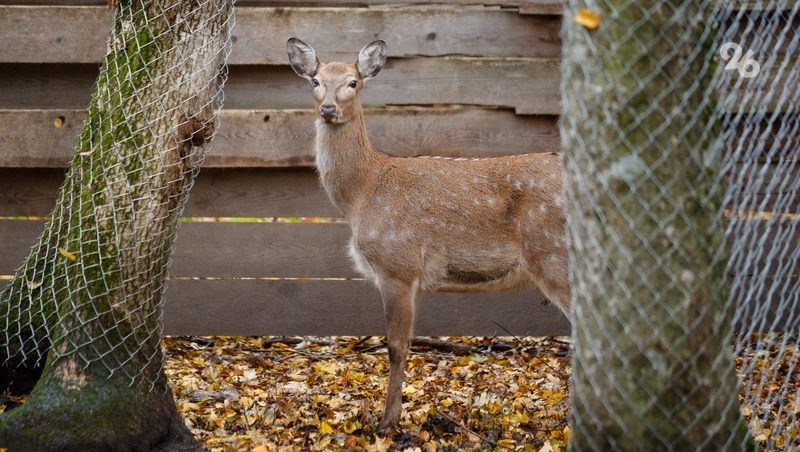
314	393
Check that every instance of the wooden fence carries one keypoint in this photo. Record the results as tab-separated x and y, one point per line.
463	79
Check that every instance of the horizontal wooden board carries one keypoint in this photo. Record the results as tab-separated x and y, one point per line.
529	6
54	34
337	34
531	85
250	250
345	307
263	250
217	193
288	192
532	6
255	250
275	138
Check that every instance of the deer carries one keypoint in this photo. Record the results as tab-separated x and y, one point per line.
430	224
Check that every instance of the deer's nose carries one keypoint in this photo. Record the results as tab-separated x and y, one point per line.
327	111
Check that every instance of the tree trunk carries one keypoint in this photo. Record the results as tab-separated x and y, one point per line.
89	296
653	365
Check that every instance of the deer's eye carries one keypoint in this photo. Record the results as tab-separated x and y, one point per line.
353	83
314	82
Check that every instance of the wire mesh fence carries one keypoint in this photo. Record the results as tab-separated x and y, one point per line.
682	149
91	289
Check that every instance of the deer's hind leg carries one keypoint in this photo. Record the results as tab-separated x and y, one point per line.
399	300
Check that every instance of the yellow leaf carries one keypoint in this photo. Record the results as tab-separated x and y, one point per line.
350	425
260	449
329	367
67	254
507	443
325	428
588	19
409	389
567	434
446	402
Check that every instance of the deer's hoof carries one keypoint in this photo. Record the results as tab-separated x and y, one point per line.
387	425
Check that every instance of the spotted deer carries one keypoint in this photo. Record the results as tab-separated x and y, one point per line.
422	224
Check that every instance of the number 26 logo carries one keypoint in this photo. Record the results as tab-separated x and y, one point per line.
747	66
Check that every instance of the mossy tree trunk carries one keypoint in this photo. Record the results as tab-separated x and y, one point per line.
653	365
87	303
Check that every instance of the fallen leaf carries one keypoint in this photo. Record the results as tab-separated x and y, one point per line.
325	428
67	254
587	18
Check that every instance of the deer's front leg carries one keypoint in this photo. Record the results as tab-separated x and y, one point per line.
399	299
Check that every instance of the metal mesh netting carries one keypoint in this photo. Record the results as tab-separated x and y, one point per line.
92	286
682	145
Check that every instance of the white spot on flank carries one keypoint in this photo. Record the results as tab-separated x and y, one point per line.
543	207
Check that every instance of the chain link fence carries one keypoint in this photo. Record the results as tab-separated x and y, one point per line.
92	288
682	156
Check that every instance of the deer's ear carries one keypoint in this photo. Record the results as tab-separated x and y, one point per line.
371	59
302	57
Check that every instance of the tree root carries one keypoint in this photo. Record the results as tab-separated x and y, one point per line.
98	414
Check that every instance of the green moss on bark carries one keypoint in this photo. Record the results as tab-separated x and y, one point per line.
89	295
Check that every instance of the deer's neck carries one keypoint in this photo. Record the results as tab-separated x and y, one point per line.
346	161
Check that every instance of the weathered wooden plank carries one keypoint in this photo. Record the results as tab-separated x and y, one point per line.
275	138
287	192
300	3
252	250
255	250
549	7
345	307
217	193
55	34
263	250
257	192
529	84
45	86
337	34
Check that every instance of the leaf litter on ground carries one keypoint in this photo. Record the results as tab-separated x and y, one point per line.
315	393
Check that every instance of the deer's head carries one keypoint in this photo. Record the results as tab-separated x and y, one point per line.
336	85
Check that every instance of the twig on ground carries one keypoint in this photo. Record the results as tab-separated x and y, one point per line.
464	427
437	344
558	372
